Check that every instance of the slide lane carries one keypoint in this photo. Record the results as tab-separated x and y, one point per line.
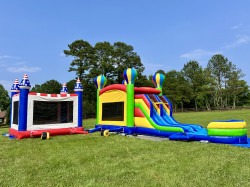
170	119
151	122
150	118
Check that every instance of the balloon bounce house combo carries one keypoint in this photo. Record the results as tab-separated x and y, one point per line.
130	110
33	114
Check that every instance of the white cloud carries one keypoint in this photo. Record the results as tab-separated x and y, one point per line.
19	63
8	57
3	64
24	69
198	54
240	40
151	68
236	26
11	64
4	56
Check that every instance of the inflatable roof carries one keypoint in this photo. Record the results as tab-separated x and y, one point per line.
137	90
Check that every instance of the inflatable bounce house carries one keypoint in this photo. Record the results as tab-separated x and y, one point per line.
32	113
133	110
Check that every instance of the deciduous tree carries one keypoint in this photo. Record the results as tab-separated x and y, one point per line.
83	57
125	57
51	86
237	88
104	60
193	73
4	98
176	88
219	68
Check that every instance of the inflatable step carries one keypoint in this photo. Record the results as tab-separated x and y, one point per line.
228	132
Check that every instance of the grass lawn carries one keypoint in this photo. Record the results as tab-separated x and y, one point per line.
93	160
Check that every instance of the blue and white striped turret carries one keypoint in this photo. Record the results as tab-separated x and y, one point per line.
78	86
25	83
14	90
15	87
78	90
64	89
23	103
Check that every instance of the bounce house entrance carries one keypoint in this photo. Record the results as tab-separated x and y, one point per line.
113	111
52	112
15	109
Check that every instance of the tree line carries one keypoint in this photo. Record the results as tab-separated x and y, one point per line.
217	86
220	85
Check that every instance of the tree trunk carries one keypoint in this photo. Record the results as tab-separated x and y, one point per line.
207	105
175	107
216	99
234	102
182	106
220	93
221	102
195	103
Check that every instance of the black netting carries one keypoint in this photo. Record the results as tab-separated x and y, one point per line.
164	101
52	112
113	111
15	112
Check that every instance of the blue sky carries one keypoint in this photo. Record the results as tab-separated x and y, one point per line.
166	34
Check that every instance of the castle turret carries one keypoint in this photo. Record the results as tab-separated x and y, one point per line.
78	90
14	90
23	103
64	89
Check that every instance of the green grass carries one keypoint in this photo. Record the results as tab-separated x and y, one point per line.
92	160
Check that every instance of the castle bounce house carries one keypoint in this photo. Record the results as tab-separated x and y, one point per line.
33	114
131	110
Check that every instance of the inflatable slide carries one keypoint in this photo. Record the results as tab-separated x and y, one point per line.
131	110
